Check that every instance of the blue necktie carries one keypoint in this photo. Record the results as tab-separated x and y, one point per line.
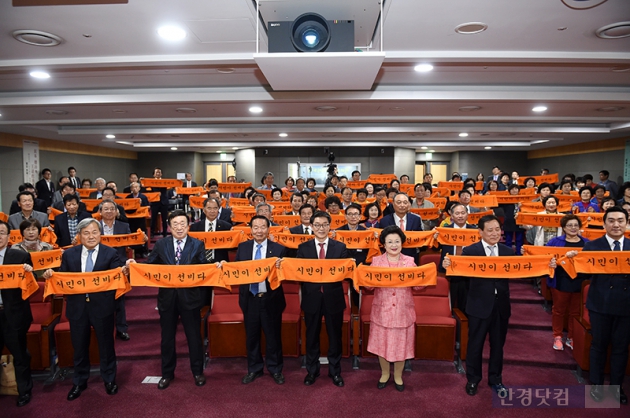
254	286
178	252
89	266
617	246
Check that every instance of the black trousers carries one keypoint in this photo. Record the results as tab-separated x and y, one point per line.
496	325
613	330
15	340
191	320
334	322
459	292
80	334
259	318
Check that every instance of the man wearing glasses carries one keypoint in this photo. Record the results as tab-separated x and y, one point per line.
323	300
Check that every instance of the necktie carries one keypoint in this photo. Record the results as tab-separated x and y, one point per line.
178	252
491	248
210	253
307	230
89	266
322	253
254	286
402	224
617	246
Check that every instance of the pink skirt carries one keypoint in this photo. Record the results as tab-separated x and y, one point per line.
393	344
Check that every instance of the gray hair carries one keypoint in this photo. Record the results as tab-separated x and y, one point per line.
261	205
86	222
100	178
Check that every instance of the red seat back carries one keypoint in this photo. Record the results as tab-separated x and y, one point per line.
585	315
430	258
433	300
225	304
366	306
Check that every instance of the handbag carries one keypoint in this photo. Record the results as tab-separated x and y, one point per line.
8	384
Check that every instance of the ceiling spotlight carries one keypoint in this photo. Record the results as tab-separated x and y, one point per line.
424	147
471	28
39	74
487	147
255	109
325	108
610	109
235	148
423	68
173	148
185	110
463	134
172	33
539	108
110	136
283	135
469	108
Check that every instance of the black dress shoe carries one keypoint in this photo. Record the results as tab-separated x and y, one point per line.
24	399
399	388
597	393
164	382
200	380
620	396
471	388
500	390
123	336
382	385
250	377
76	390
278	378
337	380
310	379
111	388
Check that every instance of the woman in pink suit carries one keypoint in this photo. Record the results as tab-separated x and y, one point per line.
392	321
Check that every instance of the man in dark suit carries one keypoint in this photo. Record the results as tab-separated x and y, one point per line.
15	319
39	206
262	306
26	201
66	223
174	303
45	187
133	178
225	214
109	193
161	206
306	213
73	179
403	219
458	285
66	189
188	182
488	309
608	305
353	217
91	309
297	200
464	199
99	184
325	300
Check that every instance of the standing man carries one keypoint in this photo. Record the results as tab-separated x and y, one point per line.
138	223
403	219
159	207
323	300
72	177
610	185
267	182
353	217
356	175
488	309
66	224
91	309
26	202
262	306
225	214
184	303
15	319
189	182
45	187
608	305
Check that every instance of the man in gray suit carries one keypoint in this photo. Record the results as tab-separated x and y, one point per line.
26	202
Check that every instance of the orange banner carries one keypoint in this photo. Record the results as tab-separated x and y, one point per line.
4	217
485	201
288	221
549	178
196	201
172	276
190	190
567	198
248	232
129	204
426	214
46	235
407	188
46	259
241	214
219	239
153	197
512	199
366	276
315	270
291	240
539	219
280	205
452	186
441	192
233	187
479	185
142	212
53	212
90	204
555	252
510	267
417	239
473	218
438	202
239	201
597	262
460	237
535	207
591	219
85	193
162	183
337	221
381	178
123	240
13	276
360	240
357	184
253	271
82	283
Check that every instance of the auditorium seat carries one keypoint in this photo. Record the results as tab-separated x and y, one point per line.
367	297
40	334
427	258
226	328
63	343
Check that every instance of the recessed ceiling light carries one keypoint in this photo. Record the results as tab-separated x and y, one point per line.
463	134
39	74
614	31
255	109
397	109
283	135
219	152
186	110
325	108
470	28
469	108
539	108
424	147
124	142
423	68
110	136
173	148
37	38
610	109
620	69
171	33
225	70
487	147
234	148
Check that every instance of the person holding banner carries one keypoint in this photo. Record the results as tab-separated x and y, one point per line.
608	305
585	204
297	200
135	192
541	235
372	214
306	212
393	316
94	310
353	216
404	219
31	242
66	223
159	207
262	306
26	202
488	309
323	300
16	318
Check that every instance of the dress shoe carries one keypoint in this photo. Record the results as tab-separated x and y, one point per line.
76	390
278	378
164	382
24	399
471	388
399	388
337	380
597	393
310	379
122	336
111	388
250	377
500	390
621	397
200	380
382	385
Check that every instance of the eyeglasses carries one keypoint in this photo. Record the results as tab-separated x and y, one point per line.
320	226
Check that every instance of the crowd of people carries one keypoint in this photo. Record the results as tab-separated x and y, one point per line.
385	207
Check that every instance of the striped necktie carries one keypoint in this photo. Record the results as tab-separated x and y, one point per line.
210	253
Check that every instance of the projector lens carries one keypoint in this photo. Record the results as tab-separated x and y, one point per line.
310	37
310	33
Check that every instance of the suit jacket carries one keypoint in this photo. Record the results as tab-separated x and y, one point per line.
192	183
103	302
61	207
121	227
16	219
17	310
275	301
220	254
481	293
61	227
449	249
299	229
78	184
94	195
609	293
333	292
43	192
226	215
393	307
414	223
122	215
40	206
193	253
359	255
144	200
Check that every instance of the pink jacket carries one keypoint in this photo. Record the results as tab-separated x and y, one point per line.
393	307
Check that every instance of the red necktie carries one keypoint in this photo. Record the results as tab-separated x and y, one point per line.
322	255
402	224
